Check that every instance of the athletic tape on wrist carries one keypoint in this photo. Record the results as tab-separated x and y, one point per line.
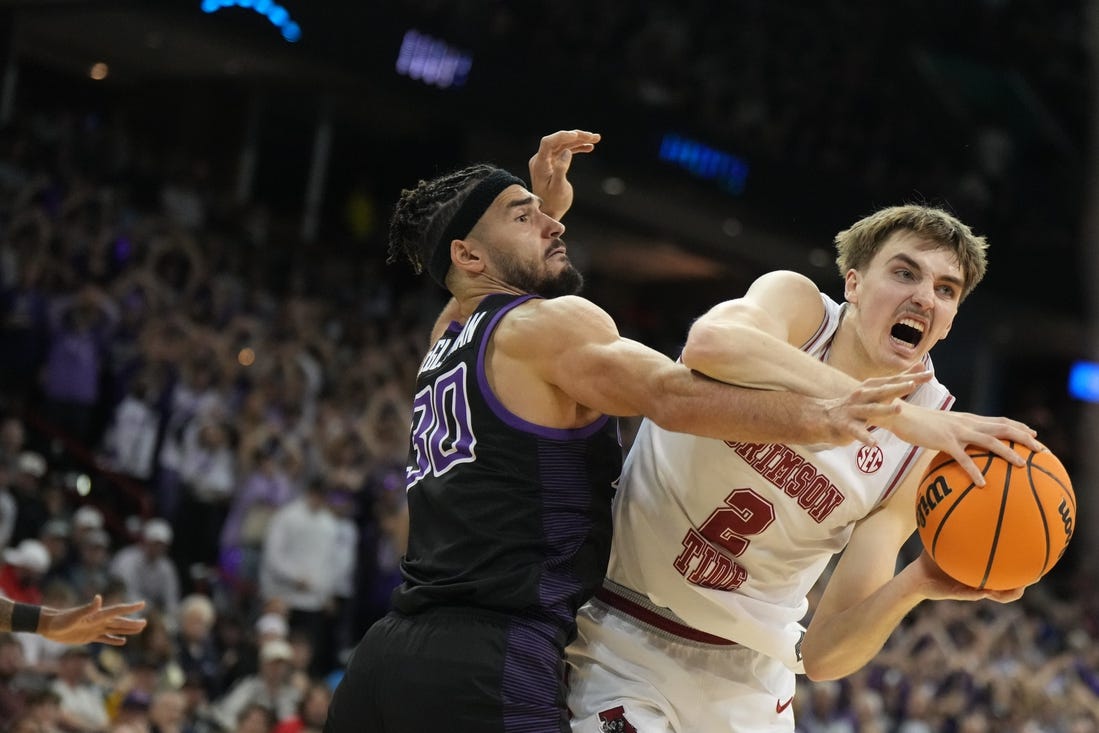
24	617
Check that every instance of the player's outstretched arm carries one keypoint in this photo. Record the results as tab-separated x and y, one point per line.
753	341
951	432
84	624
574	345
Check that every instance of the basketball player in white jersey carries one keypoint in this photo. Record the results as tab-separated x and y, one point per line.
716	544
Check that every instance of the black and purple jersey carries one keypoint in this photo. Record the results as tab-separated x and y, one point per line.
506	516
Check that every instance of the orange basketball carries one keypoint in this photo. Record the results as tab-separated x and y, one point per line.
1004	535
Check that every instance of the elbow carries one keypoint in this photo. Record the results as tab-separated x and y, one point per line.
817	672
826	664
706	349
723	351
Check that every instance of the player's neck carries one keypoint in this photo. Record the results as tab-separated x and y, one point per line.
469	296
849	354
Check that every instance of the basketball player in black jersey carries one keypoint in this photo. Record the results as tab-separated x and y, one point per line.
514	453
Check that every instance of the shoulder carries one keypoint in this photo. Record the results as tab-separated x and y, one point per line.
782	302
565	306
554	324
777	291
786	288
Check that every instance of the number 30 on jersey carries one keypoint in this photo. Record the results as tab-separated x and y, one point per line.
442	436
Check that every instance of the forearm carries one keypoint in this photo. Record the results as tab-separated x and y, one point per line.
841	644
746	356
695	404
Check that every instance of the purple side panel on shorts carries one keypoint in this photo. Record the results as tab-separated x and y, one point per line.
566	522
532	686
532	666
505	415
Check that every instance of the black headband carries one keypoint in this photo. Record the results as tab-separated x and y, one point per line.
467	216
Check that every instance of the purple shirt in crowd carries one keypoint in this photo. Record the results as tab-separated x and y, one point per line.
271	490
72	368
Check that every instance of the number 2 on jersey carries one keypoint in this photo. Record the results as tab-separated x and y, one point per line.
728	528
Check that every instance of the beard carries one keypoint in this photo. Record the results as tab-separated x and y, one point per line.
568	281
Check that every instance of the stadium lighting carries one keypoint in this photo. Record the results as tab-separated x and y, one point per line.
432	61
277	14
703	161
1083	381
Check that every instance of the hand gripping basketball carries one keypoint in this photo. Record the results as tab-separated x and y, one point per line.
1004	535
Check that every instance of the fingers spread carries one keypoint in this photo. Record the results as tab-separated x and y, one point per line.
1000	448
887	391
906	377
124	608
864	436
876	410
128	625
968	466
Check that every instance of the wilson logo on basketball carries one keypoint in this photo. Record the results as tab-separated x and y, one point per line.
1067	515
869	459
934	493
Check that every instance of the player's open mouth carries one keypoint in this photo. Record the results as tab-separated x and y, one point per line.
908	331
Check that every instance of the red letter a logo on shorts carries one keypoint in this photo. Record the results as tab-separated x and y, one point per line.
614	721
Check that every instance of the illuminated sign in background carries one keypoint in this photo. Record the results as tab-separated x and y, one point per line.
703	161
278	15
432	61
1083	381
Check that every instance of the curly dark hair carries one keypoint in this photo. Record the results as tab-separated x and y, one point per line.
423	213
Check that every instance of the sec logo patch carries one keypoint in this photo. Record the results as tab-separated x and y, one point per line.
869	459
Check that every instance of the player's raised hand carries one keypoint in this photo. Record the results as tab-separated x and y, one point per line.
850	418
951	432
549	168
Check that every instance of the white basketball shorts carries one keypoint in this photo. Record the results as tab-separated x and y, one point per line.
635	668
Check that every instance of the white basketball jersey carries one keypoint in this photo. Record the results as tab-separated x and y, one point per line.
731	537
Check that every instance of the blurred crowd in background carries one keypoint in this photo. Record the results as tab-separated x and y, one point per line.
176	430
198	410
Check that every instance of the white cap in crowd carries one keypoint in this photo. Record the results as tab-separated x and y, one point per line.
31	463
157	530
272	625
88	517
29	554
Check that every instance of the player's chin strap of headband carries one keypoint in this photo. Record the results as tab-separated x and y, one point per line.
469	213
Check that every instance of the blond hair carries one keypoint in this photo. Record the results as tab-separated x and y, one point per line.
857	245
